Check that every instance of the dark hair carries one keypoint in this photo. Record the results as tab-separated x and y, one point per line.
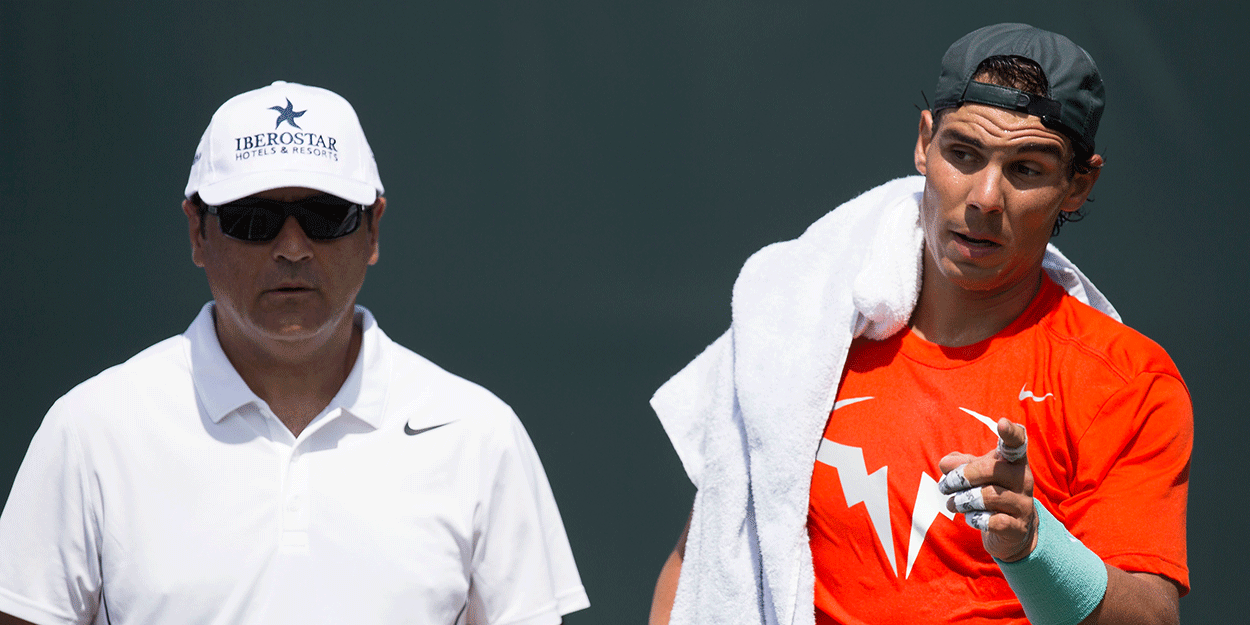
201	209
1016	72
1025	74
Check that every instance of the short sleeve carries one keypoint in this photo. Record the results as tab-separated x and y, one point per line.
49	532
523	568
1129	500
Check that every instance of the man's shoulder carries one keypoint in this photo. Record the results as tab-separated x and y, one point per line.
151	369
1099	337
870	244
416	383
128	389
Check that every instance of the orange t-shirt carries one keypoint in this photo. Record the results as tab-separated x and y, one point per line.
1110	432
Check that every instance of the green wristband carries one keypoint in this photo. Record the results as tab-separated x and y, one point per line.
1062	581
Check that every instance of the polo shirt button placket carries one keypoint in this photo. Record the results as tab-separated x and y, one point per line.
295	515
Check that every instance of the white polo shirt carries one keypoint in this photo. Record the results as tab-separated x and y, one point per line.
164	491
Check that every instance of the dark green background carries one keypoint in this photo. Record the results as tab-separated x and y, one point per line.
573	186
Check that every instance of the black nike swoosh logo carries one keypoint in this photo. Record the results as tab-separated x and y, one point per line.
411	432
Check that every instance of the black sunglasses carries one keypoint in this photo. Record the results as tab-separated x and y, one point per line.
322	217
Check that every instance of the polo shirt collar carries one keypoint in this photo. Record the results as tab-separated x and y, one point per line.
363	393
222	391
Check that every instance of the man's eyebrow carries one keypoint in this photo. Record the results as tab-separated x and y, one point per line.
959	137
1044	148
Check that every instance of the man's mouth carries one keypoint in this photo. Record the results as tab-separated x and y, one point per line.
291	287
975	242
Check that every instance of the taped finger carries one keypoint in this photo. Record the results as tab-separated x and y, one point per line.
970	500
1012	454
979	520
954	481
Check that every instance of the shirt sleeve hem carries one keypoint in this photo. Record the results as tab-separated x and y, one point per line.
573	600
550	614
27	610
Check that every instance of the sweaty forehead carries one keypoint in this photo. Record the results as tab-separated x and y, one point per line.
993	127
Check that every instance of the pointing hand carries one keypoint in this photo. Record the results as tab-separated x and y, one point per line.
995	493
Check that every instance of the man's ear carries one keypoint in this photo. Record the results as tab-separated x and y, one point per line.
378	208
1082	184
195	229
923	138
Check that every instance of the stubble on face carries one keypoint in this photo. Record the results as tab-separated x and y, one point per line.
995	183
287	296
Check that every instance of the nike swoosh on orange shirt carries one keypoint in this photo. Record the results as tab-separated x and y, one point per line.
1029	394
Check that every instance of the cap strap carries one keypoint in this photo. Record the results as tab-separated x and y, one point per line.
1015	100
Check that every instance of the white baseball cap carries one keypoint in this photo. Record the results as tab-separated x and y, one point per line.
284	135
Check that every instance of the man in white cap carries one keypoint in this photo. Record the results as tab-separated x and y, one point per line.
283	460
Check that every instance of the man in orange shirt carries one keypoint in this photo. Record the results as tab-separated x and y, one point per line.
992	382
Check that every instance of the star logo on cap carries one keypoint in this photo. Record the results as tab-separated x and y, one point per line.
287	114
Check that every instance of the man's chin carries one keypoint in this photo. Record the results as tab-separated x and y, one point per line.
971	277
293	328
297	331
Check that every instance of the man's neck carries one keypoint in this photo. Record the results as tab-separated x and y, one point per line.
953	317
296	380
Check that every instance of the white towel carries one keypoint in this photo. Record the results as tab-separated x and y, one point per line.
746	415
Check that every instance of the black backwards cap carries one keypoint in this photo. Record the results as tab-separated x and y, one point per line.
1074	104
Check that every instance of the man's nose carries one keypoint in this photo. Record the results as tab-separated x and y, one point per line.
987	191
292	244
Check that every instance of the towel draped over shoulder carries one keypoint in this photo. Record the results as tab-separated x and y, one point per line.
746	415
